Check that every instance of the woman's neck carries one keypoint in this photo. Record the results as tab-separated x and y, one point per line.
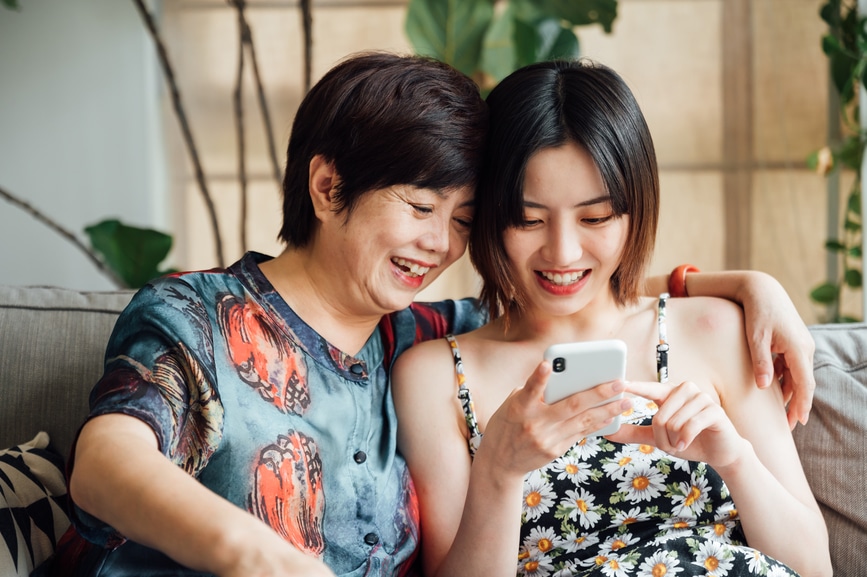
601	319
318	302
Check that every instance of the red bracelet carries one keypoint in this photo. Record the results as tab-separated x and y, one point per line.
677	280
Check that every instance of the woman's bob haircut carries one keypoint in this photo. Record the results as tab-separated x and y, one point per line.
383	120
544	106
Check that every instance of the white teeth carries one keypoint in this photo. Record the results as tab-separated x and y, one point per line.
563	279
413	268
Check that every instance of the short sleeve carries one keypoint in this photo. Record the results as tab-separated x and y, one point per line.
159	368
427	321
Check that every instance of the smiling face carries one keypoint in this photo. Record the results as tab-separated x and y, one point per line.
571	241
395	242
569	111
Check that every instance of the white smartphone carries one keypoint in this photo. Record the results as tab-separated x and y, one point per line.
583	365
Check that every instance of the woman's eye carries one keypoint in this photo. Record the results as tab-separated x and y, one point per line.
422	209
464	222
530	222
598	219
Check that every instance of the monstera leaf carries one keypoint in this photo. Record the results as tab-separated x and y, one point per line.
575	12
450	30
516	39
489	44
134	254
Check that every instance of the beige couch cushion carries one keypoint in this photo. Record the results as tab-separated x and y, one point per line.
833	445
52	342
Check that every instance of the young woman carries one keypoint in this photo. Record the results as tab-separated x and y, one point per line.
703	479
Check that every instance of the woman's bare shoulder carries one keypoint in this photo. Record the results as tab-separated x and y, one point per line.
707	334
707	319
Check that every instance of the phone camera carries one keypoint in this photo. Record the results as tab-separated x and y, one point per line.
559	364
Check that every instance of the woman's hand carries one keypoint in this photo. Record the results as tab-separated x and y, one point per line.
271	556
773	326
779	341
689	424
525	433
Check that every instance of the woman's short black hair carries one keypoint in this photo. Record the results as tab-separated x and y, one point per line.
542	106
383	120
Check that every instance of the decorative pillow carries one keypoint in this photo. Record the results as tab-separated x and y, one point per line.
32	505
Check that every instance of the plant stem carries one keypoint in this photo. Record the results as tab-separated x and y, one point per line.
243	35
185	127
307	27
263	102
56	227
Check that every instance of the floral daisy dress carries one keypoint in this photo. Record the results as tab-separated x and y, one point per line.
614	510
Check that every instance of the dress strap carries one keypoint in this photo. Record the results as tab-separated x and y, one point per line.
475	435
662	347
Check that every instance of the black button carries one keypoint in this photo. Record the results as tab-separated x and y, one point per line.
356	369
360	457
371	538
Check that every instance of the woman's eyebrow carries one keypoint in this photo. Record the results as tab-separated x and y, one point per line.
445	192
589	202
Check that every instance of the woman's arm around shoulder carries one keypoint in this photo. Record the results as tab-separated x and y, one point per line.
773	326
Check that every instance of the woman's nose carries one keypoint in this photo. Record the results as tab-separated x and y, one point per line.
564	246
436	238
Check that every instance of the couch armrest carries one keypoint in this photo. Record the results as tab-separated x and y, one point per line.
833	444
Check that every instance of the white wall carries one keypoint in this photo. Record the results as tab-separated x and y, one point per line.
79	133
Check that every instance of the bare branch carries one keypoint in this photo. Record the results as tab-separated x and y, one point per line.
185	127
238	99
266	115
307	26
56	227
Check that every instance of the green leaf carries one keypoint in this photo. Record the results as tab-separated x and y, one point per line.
134	254
853	204
847	319
499	56
830	12
850	153
813	160
581	12
513	42
852	226
863	76
831	45
825	293
854	252
544	39
450	30
555	41
835	246
11	4
853	278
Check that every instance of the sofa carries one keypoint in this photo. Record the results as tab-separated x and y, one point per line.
51	350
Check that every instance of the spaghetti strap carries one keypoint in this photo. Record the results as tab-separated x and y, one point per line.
662	347
474	436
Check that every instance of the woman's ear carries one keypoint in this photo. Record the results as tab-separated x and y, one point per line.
322	181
